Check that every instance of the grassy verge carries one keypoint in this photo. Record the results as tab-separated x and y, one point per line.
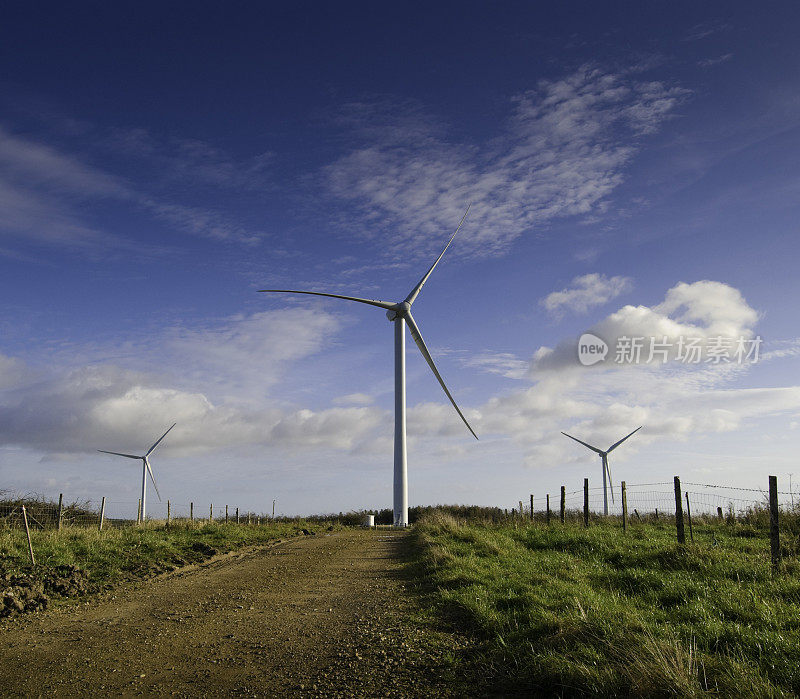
565	611
81	560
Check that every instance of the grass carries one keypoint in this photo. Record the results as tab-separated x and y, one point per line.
567	611
125	553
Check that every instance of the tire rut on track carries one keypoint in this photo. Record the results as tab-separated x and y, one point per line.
317	616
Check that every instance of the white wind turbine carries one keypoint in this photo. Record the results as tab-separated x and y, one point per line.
400	314
604	460
145	468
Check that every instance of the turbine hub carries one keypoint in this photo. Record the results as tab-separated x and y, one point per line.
398	311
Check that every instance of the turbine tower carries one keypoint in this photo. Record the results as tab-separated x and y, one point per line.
399	313
145	469
604	460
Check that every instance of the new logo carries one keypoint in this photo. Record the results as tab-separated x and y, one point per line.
591	349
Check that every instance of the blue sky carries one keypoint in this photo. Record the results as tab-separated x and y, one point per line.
631	170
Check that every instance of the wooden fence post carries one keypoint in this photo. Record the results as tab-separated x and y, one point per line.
679	512
249	518
226	514
211	513
689	516
548	509
531	507
624	490
719	514
60	509
563	503
585	502
774	531
102	512
191	512
28	533
169	514
139	512
237	515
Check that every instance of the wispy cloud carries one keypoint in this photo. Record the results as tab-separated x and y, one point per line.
586	292
563	151
189	160
502	363
706	29
47	195
708	62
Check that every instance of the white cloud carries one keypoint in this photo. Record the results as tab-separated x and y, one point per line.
586	292
44	191
216	382
709	62
564	150
601	404
112	408
703	310
502	363
353	399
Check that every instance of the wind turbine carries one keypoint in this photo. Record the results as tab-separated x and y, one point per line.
145	468
604	459
399	313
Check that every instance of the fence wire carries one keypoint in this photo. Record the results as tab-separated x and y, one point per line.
42	514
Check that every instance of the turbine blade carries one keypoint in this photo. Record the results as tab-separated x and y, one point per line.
152	477
415	291
614	446
595	449
116	453
372	302
610	482
412	326
150	450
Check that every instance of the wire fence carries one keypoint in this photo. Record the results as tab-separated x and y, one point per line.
765	512
44	514
659	498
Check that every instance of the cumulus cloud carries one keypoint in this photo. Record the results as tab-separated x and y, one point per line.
586	292
704	310
564	150
113	408
59	411
602	403
236	361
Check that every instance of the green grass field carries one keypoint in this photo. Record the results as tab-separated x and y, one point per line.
126	553
563	610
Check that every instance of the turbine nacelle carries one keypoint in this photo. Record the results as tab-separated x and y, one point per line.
400	310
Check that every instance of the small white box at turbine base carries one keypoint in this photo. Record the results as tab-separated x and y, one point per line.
369	521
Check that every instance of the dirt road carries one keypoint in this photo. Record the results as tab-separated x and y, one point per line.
323	615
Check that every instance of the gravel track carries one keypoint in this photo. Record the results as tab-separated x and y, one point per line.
325	615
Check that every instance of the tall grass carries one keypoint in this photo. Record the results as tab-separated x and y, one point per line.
115	554
570	611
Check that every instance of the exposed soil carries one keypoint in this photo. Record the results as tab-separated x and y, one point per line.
325	615
31	590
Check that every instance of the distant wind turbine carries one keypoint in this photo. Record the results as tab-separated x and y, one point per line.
400	314
604	459
145	468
